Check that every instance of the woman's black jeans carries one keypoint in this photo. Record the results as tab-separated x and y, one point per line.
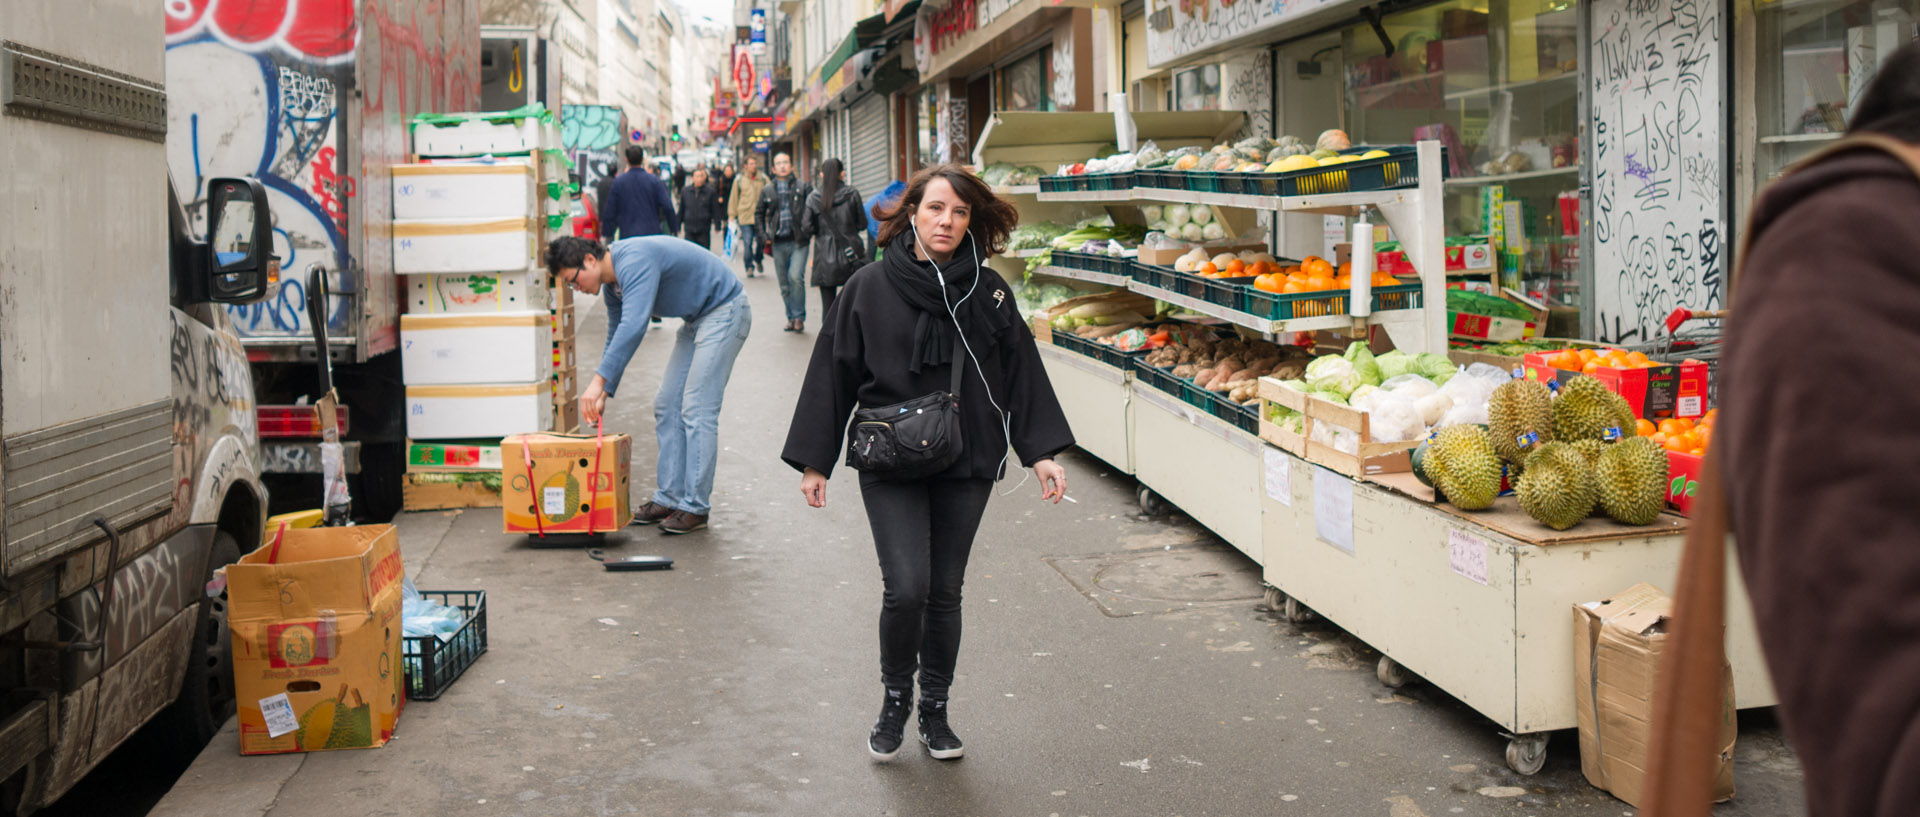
922	531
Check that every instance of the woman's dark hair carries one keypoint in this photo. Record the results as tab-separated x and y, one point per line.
830	171
1891	104
991	222
570	252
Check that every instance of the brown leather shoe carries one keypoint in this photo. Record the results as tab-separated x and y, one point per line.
652	514
683	522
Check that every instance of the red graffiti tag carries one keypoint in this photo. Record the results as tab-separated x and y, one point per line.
330	189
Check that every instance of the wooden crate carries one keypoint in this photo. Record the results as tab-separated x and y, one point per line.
430	491
1281	438
1371	458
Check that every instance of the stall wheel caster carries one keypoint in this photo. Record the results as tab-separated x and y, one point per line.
1392	674
1527	753
1153	504
1273	599
1297	613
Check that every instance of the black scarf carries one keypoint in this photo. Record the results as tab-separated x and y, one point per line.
913	278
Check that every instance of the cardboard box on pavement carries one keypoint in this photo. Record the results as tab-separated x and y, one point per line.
1618	646
316	640
575	484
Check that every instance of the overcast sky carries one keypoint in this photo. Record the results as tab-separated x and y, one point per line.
720	11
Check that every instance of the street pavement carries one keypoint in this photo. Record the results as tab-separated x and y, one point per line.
1113	664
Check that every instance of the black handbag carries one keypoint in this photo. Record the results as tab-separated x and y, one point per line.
911	440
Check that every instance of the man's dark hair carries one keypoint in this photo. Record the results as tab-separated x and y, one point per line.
636	156
570	252
1891	104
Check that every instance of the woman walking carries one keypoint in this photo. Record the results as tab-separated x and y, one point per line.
929	320
835	224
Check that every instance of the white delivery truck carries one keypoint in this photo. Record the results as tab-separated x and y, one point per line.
129	457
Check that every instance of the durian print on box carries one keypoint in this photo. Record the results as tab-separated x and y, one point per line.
333	723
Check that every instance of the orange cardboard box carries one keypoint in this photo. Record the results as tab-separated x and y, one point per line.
574	484
316	640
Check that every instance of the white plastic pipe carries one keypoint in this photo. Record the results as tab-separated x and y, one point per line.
1361	305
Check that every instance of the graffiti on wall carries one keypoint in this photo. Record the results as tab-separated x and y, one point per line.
1064	87
592	127
1658	222
1251	90
262	89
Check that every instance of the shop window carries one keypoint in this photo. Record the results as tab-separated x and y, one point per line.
1497	83
1196	89
1024	83
1813	62
928	127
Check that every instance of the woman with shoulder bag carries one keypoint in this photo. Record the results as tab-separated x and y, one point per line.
833	221
930	347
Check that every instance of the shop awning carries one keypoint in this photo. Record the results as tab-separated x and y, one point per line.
1081	134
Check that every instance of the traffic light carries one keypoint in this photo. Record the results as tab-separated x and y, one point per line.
675	137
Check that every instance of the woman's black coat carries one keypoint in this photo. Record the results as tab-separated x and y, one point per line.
845	225
862	357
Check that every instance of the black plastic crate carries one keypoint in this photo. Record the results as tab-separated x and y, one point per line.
1110	181
1055	184
433	665
1275	306
1074	260
1227	292
1093	349
1152	275
1242	417
1164	380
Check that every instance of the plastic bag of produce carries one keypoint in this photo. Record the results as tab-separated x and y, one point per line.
1463	414
1394	419
1410	386
1333	373
1433	407
1149	155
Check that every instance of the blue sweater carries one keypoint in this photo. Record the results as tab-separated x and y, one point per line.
637	202
658	275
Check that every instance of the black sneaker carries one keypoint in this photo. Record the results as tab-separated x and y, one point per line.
884	740
941	742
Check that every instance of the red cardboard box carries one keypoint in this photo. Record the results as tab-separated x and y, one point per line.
1655	393
1683	480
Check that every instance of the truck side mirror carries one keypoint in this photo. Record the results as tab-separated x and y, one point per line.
239	239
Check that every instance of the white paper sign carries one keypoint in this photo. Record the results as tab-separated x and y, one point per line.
279	714
553	501
1279	476
1333	508
1468	555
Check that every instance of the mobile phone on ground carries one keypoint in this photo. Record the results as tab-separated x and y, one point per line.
638	563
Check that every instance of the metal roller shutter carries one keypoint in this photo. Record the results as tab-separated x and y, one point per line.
868	161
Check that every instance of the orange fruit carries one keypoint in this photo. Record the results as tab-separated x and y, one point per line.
1208	268
1645	427
1568	360
1590	367
1671	426
1639	359
1317	283
1345	269
1292	287
1587	354
1660	438
1343	282
1317	267
1381	279
1698	452
1235	266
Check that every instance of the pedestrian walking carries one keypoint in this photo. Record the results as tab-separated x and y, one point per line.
723	193
837	228
782	203
745	201
1824	522
638	278
699	207
908	330
637	203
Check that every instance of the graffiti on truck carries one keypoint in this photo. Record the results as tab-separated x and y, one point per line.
262	89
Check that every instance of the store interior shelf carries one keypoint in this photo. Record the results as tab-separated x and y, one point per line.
1544	82
1791	138
1018	190
1512	177
1089	276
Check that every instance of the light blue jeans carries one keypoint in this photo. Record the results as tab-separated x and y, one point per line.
790	266
686	412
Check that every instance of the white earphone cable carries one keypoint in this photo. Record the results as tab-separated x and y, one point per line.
1006	426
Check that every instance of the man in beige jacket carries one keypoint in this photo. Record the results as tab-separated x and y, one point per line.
746	194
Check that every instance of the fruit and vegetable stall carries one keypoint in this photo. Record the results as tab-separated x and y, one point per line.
1416	464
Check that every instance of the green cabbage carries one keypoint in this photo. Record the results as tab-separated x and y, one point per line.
1333	374
1437	368
1394	364
1362	359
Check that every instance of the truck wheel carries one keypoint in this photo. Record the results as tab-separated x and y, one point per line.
206	698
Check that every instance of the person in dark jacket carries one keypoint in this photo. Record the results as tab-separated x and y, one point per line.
723	188
699	206
777	219
894	335
1825	519
838	232
637	203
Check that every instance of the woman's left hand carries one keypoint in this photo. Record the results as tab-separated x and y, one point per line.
1053	480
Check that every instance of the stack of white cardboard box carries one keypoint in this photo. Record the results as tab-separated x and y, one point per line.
485	328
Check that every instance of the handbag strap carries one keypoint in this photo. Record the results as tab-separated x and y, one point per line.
1684	755
959	364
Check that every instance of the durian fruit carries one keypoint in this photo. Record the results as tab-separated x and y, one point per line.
1463	466
1585	410
569	486
1631	479
1556	488
1520	408
1590	449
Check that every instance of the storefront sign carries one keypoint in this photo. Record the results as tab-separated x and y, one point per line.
949	24
1187	27
757	31
1659	209
743	70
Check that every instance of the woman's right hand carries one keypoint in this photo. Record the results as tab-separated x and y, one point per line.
813	486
